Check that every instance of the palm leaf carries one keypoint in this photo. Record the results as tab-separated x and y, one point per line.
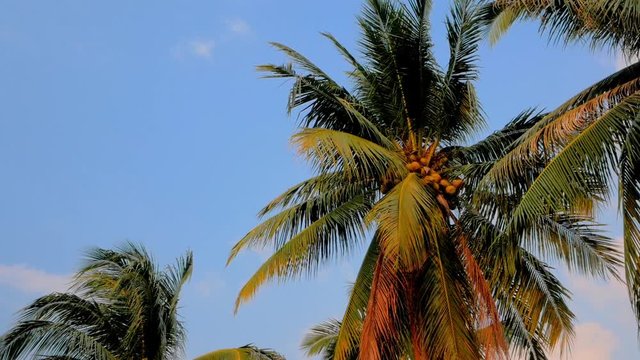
247	352
408	219
321	240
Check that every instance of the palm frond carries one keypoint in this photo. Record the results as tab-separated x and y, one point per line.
601	23
630	207
409	220
578	243
539	298
320	340
247	352
382	329
307	203
325	238
560	183
57	339
355	157
348	337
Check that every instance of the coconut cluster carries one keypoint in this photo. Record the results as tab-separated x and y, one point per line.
431	177
428	170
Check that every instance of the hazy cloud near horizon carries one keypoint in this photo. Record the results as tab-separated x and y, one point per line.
32	281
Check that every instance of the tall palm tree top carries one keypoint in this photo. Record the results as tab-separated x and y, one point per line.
444	275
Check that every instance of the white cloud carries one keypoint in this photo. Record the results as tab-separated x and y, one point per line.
202	48
592	342
238	26
29	280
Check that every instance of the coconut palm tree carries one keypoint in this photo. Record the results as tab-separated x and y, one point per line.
121	307
597	130
443	276
247	352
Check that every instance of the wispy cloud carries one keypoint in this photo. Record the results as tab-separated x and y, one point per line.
199	48
238	26
202	48
29	280
592	342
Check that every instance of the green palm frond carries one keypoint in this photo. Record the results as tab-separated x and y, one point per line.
409	220
326	104
525	344
357	158
330	186
578	243
42	337
541	301
304	204
602	23
502	20
465	27
499	143
630	204
447	296
592	149
320	340
334	232
348	337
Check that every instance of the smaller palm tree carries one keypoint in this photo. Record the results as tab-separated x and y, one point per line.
247	352
121	307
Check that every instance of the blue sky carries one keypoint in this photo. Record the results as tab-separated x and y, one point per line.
146	121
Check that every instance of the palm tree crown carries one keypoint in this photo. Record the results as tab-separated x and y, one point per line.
122	307
444	277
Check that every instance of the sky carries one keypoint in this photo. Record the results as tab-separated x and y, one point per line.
146	121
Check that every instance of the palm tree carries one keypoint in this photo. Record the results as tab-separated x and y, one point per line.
121	307
443	276
247	352
597	130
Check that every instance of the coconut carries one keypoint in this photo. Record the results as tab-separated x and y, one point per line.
457	182
450	189
436	186
445	182
424	161
436	176
413	166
